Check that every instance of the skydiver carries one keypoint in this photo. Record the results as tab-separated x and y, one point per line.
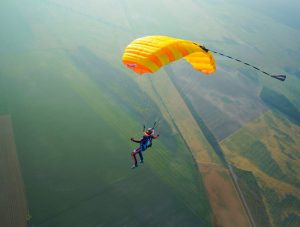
145	142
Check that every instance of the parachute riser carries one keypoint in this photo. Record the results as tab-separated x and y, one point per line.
153	127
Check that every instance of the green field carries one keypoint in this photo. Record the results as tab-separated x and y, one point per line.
280	103
73	112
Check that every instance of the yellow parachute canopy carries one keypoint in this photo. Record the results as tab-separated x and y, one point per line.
148	54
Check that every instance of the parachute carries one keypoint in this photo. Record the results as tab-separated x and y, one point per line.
148	54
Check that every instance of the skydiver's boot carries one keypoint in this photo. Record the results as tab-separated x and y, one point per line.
134	166
141	161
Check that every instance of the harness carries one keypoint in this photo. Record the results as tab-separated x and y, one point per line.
146	141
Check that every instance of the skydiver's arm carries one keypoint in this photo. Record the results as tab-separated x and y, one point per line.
154	137
135	140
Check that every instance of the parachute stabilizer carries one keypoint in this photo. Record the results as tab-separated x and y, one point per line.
279	77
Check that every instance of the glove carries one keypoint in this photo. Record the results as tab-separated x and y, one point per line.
131	139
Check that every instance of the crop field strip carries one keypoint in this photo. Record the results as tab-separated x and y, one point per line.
235	203
13	208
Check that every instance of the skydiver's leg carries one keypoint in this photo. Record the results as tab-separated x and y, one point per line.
141	157
134	158
133	154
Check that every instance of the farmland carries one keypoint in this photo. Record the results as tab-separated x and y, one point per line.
73	108
13	207
273	161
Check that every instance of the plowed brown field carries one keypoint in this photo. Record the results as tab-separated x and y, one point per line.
13	210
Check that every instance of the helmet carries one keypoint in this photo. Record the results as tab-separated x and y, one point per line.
149	132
